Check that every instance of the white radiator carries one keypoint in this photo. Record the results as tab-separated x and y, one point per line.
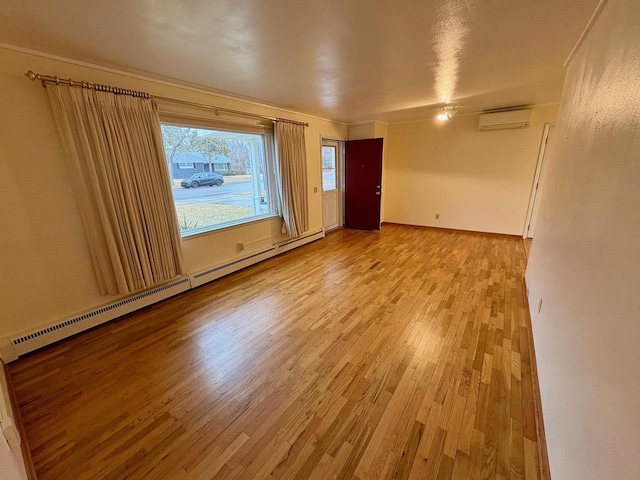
12	348
299	241
30	340
213	273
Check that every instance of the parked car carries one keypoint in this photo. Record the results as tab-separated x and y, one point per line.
205	178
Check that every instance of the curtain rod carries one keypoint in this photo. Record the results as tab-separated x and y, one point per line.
217	110
134	93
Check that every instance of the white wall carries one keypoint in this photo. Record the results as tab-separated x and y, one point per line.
475	180
46	272
585	260
11	464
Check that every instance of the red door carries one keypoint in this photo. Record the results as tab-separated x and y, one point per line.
362	183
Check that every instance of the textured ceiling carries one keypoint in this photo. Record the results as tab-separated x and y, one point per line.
345	60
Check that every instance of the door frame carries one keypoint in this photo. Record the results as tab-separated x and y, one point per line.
339	144
535	184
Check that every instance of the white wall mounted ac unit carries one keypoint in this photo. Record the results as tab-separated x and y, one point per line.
505	120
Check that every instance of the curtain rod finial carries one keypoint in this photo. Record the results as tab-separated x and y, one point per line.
31	75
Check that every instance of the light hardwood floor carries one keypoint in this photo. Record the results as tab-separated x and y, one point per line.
402	353
527	246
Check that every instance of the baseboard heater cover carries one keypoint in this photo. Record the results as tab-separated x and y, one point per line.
34	339
25	342
299	241
213	273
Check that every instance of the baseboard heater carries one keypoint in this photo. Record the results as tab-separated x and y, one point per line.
287	245
25	342
213	273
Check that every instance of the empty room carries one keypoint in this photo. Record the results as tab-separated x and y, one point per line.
320	240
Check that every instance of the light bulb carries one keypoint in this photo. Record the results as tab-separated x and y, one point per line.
446	113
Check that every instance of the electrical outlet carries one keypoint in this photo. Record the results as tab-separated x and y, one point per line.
437	216
539	305
315	189
240	246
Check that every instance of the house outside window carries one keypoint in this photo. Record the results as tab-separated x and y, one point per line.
219	177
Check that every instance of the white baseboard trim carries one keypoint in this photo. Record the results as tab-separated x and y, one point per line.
11	348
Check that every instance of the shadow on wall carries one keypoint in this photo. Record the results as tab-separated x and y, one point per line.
45	241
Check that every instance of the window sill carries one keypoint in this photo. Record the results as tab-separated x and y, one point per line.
198	232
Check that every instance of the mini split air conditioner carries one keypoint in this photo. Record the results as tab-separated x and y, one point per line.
505	120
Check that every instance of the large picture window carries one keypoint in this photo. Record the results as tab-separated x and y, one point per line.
219	177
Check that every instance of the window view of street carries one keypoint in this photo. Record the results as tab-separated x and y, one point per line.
218	177
328	168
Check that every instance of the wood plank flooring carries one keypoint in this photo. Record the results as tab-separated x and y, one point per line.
527	246
395	354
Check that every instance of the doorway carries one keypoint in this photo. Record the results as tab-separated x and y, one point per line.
538	183
362	183
331	184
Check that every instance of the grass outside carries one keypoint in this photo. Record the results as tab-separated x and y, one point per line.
204	215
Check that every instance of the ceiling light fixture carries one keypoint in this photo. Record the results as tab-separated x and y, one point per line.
447	113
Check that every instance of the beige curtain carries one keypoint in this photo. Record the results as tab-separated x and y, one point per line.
113	144
291	173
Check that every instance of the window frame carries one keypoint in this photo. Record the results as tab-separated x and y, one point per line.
268	144
336	176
